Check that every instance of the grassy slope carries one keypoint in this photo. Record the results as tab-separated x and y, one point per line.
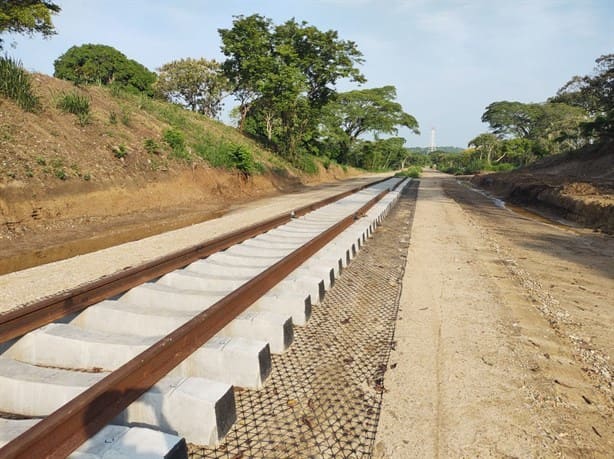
38	147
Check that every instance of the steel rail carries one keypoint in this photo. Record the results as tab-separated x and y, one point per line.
67	428
22	320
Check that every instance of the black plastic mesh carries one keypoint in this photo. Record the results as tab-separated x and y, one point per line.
324	394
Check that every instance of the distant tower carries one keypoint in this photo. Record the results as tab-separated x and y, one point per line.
432	147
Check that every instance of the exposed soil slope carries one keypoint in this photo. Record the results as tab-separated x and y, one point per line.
64	190
579	186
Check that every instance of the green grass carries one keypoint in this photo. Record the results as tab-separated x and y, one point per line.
75	103
16	84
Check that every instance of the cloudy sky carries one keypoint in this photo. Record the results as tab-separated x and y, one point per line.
448	59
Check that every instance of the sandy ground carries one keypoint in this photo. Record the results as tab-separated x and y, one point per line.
28	285
504	335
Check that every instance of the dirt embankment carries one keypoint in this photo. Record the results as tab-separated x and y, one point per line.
577	186
68	188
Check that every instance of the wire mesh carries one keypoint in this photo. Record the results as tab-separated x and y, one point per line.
324	394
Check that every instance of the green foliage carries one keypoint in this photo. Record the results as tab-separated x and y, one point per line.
594	94
16	84
75	103
174	139
412	171
283	75
197	84
227	155
27	17
120	151
243	161
355	113
307	164
101	64
151	146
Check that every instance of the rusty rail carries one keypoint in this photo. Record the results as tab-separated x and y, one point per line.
68	427
35	315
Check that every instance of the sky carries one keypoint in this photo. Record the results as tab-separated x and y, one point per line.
448	59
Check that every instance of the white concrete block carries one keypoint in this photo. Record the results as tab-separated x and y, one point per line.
111	442
196	408
236	361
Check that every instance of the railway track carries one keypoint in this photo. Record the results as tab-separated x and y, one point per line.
162	345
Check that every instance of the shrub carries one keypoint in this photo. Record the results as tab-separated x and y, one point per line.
174	138
307	164
77	104
242	160
16	84
412	171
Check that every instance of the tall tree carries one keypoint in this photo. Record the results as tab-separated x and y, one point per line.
595	94
196	83
290	71
556	126
102	64
487	145
27	17
354	113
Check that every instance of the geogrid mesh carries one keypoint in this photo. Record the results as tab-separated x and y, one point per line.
323	396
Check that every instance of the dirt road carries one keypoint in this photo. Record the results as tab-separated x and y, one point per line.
504	336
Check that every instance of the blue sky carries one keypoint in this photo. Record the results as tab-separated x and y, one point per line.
448	59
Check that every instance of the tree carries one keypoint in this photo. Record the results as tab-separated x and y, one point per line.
196	83
102	64
250	57
354	113
555	126
486	145
595	94
512	119
286	72
27	17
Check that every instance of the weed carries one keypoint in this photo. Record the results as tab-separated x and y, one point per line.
60	173
174	138
16	84
57	163
11	174
41	161
113	117
126	116
120	151
77	104
87	177
151	146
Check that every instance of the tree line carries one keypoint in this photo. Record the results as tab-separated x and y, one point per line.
282	76
579	114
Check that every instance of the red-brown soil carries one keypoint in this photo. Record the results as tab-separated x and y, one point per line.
577	186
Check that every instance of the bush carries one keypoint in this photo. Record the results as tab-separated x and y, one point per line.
174	139
307	164
242	160
412	171
16	84
77	104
